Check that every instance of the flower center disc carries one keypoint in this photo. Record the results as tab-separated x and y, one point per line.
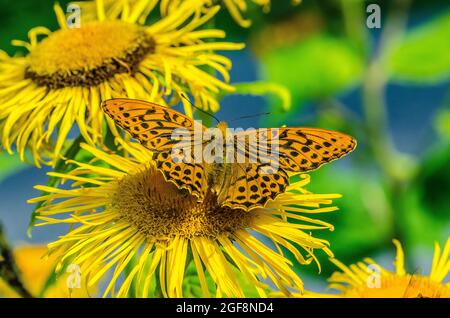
161	211
89	55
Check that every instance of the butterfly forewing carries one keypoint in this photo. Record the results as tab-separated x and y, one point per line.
297	149
150	123
305	149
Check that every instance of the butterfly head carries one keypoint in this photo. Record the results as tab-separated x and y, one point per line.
222	126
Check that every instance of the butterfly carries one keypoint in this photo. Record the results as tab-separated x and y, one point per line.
239	184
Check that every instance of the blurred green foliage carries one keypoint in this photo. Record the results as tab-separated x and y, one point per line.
318	67
379	202
423	55
434	174
18	17
266	88
9	165
442	123
325	61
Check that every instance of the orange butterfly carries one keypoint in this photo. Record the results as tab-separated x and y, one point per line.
243	184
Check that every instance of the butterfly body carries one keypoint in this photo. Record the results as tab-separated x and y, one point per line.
219	177
245	168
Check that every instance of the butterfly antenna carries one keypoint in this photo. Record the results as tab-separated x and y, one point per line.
199	109
250	116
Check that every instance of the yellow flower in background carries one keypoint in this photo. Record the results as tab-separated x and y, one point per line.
64	77
236	8
124	215
369	280
36	268
114	8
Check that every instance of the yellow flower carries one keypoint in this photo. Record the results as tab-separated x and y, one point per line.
236	8
36	268
369	280
124	215
64	77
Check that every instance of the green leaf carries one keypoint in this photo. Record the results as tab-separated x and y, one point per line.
442	123
433	182
262	88
423	55
426	211
320	66
51	280
192	287
9	165
206	119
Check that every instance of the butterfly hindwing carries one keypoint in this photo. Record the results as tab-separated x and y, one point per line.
251	185
185	175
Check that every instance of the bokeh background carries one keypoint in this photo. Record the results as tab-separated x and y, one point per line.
388	87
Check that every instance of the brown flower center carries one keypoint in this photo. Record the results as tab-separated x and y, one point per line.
160	211
89	55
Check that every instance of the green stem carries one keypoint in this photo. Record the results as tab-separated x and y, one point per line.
110	139
8	268
158	290
353	12
374	88
375	111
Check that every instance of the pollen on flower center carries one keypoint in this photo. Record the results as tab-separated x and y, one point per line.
89	55
160	211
